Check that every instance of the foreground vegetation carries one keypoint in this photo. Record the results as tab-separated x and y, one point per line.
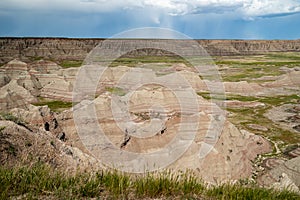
40	181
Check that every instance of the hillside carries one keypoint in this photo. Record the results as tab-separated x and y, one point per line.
236	120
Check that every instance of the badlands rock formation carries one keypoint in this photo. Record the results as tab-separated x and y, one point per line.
287	115
157	121
22	145
77	49
228	158
284	175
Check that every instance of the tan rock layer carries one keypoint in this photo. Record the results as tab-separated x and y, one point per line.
77	49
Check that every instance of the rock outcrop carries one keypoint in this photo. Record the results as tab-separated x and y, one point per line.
283	176
23	83
77	49
228	159
19	144
38	117
287	115
47	48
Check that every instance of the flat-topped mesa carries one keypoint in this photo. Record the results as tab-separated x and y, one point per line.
47	48
248	47
77	49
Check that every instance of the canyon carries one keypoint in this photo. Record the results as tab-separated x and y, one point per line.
251	132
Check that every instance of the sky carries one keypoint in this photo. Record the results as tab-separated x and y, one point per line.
198	19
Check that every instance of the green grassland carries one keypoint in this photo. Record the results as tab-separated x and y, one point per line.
41	181
242	117
231	68
248	68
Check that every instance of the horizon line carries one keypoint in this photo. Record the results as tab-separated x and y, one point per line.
103	38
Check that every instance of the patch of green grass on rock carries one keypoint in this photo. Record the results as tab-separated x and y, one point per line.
36	58
116	90
70	63
244	116
2	128
135	61
10	117
279	100
209	96
55	106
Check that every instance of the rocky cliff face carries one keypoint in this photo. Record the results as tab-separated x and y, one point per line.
76	49
47	48
248	47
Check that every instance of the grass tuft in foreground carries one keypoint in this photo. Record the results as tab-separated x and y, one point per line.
39	181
